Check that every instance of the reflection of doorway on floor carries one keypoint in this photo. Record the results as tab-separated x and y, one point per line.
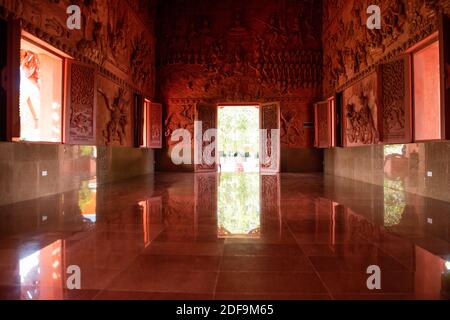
238	138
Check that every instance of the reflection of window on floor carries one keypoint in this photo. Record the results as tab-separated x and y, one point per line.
238	139
396	168
41	273
239	205
394	202
87	200
41	90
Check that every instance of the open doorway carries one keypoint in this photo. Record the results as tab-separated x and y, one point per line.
239	138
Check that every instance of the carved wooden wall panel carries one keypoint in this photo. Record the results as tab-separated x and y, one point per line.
323	124
396	101
361	112
294	115
206	113
269	155
81	102
114	116
228	51
155	129
179	114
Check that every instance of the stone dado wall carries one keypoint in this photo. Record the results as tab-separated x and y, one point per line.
424	170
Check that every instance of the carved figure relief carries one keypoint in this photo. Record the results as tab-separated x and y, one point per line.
155	126
82	104
115	130
293	116
141	62
360	103
118	31
357	46
180	116
323	126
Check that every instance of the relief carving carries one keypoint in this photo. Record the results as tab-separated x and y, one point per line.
293	116
360	103
141	62
394	100
350	47
242	56
323	125
180	116
82	100
276	55
115	130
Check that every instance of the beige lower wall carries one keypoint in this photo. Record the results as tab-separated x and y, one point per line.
409	169
22	166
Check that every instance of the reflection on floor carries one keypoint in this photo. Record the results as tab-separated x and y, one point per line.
186	236
238	212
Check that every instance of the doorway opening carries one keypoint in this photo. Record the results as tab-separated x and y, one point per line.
239	138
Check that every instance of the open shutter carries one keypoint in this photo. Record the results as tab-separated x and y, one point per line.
323	125
395	96
206	118
445	74
10	82
154	130
269	155
81	102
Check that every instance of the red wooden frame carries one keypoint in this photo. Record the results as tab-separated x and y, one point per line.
325	123
13	80
425	44
207	113
397	135
268	124
444	41
376	125
154	126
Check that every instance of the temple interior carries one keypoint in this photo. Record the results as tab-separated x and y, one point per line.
225	150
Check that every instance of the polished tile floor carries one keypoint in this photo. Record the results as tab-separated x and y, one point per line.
233	236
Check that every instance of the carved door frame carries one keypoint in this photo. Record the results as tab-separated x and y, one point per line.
210	123
271	166
260	105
